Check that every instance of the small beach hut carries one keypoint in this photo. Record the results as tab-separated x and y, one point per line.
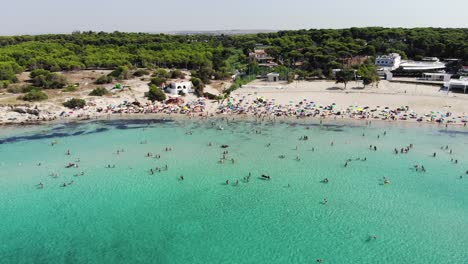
273	77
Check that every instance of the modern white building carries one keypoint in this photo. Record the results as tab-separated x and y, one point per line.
440	77
388	62
394	63
427	64
183	86
461	83
273	77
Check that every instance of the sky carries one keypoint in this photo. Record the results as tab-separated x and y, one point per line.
64	16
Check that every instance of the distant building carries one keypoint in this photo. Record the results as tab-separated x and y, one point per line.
261	56
388	62
429	64
177	87
431	76
399	67
273	77
355	60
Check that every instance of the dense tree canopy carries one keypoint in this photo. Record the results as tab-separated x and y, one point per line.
314	52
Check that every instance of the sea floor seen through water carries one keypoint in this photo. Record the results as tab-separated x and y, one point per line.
196	207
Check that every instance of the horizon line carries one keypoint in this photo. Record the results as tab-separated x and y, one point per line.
202	31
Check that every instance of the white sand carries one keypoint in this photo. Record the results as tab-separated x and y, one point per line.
420	98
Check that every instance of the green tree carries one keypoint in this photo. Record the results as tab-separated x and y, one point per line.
158	81
120	73
8	71
291	77
204	74
155	94
198	86
368	73
344	76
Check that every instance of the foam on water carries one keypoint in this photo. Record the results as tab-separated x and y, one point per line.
126	215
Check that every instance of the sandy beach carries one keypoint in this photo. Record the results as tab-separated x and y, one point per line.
421	100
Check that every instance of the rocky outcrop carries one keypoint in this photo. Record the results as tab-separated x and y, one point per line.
30	111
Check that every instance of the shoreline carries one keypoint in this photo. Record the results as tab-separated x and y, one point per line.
314	101
236	118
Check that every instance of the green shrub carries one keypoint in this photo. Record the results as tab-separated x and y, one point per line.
8	71
34	95
104	79
15	89
120	73
140	72
177	74
99	91
161	73
155	94
38	72
4	84
46	79
238	82
158	81
75	103
70	88
28	88
198	86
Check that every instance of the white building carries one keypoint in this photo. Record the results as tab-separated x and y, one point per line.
176	87
273	77
461	83
441	77
388	62
259	55
427	64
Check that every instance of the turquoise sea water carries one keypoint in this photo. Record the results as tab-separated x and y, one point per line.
126	215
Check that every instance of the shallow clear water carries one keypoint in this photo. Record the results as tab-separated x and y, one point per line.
126	215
